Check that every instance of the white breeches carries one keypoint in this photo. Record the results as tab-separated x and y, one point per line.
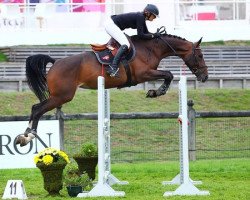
115	32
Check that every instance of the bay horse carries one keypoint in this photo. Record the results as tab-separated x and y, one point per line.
60	83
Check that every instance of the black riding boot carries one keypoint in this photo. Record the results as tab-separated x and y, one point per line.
113	71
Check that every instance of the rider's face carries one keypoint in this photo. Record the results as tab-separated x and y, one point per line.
152	17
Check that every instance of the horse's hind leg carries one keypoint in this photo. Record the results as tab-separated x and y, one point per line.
34	107
23	140
37	111
29	134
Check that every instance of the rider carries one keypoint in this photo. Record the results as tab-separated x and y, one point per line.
135	20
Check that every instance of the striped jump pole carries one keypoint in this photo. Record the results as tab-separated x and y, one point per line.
105	178
186	184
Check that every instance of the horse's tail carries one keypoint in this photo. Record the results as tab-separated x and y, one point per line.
36	75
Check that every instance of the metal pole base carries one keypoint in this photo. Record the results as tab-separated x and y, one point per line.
102	190
186	189
177	181
113	180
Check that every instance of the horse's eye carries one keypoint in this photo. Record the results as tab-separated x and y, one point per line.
201	56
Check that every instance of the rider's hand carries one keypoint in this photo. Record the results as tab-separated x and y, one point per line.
157	35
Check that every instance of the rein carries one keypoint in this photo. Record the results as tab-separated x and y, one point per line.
162	30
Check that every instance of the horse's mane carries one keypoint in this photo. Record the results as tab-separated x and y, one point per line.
174	36
137	38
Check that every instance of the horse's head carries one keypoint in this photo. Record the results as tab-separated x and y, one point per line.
196	63
192	57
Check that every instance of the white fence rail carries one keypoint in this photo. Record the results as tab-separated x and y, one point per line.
17	70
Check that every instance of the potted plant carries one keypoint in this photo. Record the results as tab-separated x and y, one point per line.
74	181
87	159
51	163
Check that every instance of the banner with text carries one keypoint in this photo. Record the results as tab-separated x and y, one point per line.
14	156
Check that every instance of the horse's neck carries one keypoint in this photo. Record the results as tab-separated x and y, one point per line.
151	47
147	51
176	47
157	49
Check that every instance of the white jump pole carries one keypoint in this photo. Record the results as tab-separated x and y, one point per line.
111	178
186	184
102	188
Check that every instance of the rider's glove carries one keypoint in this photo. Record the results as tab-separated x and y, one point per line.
157	35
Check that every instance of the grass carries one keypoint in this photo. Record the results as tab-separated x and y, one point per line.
227	43
147	139
216	138
16	103
225	180
3	57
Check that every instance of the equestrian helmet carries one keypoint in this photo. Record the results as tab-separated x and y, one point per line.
152	9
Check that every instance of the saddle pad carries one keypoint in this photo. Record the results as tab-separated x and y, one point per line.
104	57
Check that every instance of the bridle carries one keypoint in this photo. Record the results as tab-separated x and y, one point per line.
192	57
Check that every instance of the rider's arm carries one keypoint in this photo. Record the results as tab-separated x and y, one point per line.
142	30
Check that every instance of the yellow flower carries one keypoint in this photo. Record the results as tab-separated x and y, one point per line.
64	156
50	155
47	159
36	159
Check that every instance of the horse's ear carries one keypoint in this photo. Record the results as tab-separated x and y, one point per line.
199	42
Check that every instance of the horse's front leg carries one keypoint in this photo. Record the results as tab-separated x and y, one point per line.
159	74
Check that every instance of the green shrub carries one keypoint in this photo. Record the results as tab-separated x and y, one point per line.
72	177
88	150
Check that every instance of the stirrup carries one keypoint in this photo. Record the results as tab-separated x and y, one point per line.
115	73
112	71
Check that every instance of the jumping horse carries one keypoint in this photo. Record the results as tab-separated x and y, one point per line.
58	86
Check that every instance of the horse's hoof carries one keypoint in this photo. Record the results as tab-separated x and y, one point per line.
21	140
160	93
18	141
27	131
151	94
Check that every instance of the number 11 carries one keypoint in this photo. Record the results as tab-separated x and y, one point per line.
13	188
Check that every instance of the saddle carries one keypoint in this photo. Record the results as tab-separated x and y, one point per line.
105	53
